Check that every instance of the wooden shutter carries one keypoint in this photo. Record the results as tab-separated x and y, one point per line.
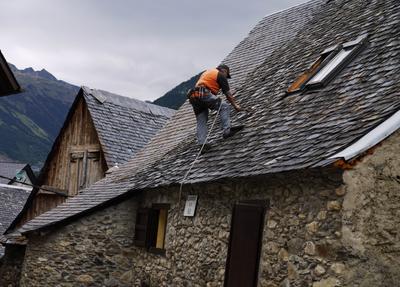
93	168
84	169
146	227
75	172
141	227
161	228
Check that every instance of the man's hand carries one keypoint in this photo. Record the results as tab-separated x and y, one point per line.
231	99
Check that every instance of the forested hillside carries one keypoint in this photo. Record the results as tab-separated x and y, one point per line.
30	121
177	96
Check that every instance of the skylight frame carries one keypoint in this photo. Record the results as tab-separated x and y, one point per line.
329	68
349	50
300	83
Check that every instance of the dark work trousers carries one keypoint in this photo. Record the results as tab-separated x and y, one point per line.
201	105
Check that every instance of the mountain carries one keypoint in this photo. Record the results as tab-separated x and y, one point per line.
30	121
177	96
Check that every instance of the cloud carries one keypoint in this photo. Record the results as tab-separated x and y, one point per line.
134	48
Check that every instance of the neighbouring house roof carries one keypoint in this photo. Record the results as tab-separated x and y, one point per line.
12	201
124	125
10	169
8	83
283	132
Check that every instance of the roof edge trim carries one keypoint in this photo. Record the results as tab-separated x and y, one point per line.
9	186
372	138
16	88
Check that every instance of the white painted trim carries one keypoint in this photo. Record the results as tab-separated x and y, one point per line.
372	138
15	187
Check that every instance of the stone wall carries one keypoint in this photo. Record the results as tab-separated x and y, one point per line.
371	217
300	238
10	265
323	229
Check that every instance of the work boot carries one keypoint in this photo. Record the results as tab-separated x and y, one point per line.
232	131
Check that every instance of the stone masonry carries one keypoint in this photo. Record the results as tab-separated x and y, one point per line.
97	250
10	265
371	218
323	228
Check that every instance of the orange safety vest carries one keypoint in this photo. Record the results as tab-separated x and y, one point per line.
209	80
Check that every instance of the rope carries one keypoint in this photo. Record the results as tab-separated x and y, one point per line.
199	153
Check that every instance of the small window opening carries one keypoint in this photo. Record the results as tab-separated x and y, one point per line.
298	85
329	64
151	226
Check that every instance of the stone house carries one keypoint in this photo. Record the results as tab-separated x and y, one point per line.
101	131
8	82
307	194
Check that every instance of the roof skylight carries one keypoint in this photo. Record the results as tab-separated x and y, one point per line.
330	63
329	67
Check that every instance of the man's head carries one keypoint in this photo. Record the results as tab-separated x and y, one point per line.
224	69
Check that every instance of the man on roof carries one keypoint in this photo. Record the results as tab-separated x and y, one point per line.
204	97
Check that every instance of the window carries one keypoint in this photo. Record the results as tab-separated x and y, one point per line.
329	67
329	64
150	228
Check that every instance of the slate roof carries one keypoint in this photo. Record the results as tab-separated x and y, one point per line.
284	132
124	125
10	170
12	201
8	83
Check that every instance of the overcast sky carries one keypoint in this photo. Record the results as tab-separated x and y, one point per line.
139	49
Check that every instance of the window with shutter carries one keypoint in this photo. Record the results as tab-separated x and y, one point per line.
150	228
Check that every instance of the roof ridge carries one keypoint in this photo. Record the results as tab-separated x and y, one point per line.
292	7
103	96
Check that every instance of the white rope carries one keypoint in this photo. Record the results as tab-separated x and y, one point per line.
199	153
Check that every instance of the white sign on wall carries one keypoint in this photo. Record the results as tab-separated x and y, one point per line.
190	206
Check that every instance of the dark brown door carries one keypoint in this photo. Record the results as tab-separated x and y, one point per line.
245	244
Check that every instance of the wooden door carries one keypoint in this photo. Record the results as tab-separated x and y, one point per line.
245	244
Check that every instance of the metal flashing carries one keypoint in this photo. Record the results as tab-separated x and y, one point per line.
372	138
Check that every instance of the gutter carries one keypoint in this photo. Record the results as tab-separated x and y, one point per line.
371	139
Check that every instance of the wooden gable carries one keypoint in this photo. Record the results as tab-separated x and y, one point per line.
75	162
